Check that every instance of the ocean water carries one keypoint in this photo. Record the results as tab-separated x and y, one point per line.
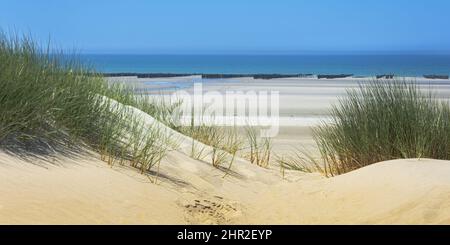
359	65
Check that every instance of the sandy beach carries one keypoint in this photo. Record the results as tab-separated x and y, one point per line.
303	102
85	190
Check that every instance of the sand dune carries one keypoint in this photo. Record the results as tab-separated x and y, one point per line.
81	191
87	191
394	192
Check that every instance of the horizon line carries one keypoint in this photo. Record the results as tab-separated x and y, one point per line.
283	53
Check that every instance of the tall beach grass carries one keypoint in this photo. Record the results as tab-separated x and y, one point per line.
50	99
260	149
384	120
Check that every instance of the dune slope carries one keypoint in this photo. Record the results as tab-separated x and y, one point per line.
87	191
394	192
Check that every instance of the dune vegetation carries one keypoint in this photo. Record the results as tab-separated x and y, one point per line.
260	149
381	120
50	103
384	120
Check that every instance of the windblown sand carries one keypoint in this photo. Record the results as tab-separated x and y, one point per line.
84	190
87	191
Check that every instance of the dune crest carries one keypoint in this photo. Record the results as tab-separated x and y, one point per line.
408	191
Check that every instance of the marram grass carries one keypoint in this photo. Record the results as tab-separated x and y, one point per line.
260	148
54	100
384	120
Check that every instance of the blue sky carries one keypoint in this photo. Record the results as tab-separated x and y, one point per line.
233	26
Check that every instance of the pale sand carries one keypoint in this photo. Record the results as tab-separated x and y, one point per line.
85	190
394	192
81	191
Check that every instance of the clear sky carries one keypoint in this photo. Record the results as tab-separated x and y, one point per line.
233	26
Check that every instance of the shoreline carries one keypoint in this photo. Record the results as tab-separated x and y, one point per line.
267	76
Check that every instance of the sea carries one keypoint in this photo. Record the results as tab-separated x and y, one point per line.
358	65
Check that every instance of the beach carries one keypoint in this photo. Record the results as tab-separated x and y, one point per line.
303	102
82	189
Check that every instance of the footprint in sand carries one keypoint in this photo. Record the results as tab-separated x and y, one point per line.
211	211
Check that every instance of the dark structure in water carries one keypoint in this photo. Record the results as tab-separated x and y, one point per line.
436	76
334	76
218	76
204	76
273	76
255	76
386	76
147	75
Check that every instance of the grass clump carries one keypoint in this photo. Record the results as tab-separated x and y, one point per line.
43	97
162	110
299	160
384	120
260	148
225	143
49	98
